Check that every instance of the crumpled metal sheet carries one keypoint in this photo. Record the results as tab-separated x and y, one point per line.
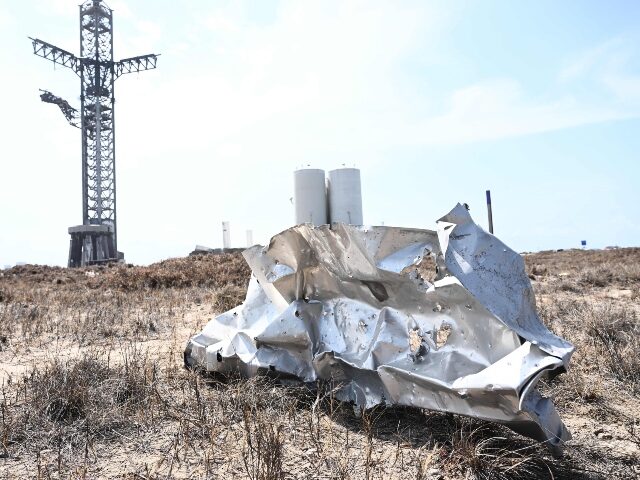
336	302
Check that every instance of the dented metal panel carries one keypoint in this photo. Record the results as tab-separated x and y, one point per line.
338	302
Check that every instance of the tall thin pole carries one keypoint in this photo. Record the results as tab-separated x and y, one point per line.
489	211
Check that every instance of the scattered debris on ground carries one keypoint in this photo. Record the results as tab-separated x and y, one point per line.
336	303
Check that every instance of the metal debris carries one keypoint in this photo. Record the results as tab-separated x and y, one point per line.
70	113
336	302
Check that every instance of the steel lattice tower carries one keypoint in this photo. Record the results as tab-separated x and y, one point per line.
95	241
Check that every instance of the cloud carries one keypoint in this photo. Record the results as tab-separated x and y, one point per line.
608	66
312	71
499	108
595	87
335	83
625	86
588	60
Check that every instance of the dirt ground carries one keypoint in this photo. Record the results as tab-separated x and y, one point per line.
93	385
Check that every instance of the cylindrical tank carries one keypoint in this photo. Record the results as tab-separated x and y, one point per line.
345	196
226	235
310	196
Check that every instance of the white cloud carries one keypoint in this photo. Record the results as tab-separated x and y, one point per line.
626	87
588	60
317	72
607	65
314	66
499	108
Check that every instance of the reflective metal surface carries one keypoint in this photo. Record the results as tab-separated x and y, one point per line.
343	302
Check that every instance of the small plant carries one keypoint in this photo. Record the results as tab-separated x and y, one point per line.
486	454
79	401
262	452
615	334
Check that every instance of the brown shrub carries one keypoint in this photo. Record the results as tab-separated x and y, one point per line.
211	271
591	268
615	335
72	402
481	451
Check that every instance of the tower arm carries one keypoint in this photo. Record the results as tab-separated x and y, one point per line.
55	54
136	64
70	113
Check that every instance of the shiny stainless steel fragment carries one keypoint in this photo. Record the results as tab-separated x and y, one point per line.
344	302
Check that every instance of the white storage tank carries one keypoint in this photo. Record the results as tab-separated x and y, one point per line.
226	235
310	196
345	196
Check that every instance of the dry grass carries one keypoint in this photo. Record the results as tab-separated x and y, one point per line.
73	405
45	303
93	385
588	268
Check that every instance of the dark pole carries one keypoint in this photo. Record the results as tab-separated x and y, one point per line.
489	212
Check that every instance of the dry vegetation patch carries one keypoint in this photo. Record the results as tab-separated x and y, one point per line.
93	385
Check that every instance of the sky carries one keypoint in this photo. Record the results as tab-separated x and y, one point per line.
435	102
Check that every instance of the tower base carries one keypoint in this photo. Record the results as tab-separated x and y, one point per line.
92	245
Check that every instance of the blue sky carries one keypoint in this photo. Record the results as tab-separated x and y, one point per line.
434	101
